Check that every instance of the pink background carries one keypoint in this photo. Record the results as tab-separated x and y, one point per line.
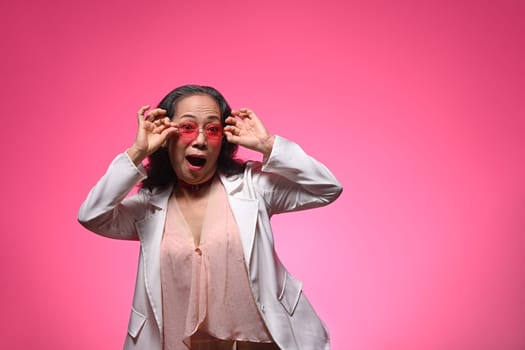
416	106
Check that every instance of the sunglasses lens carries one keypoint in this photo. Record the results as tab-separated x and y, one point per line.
214	131
188	130
191	131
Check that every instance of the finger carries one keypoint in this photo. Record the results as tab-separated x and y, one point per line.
245	113
232	138
231	121
141	111
245	110
168	132
159	111
155	114
164	121
158	129
232	130
152	115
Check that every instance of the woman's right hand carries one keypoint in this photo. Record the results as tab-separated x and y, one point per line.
154	128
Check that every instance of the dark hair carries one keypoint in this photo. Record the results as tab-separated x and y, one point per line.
159	169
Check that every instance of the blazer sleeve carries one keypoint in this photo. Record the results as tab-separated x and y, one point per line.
107	210
292	180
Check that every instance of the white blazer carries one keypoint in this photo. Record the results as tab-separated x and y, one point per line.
289	180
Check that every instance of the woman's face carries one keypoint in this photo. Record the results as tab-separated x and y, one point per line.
194	150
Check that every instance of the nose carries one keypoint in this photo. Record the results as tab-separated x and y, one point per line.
201	140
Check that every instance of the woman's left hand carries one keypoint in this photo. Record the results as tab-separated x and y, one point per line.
244	128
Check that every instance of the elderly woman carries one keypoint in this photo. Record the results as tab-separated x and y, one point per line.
208	275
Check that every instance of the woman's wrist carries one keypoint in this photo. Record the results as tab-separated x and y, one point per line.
135	155
267	147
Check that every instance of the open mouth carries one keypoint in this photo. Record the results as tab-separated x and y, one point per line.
196	161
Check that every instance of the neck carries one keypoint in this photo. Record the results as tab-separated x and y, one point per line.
194	188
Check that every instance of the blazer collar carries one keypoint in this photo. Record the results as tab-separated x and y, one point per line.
232	184
159	197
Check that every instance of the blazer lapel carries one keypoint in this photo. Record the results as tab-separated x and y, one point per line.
245	211
150	231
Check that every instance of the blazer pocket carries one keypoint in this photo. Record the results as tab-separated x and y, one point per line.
136	322
290	293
